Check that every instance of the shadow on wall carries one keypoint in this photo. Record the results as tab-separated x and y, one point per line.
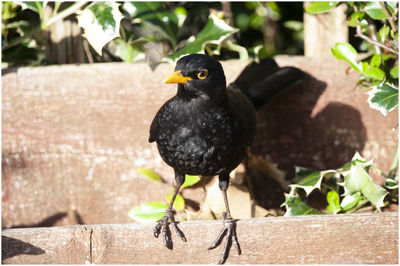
289	134
52	220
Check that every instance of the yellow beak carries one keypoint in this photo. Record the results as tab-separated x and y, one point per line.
177	77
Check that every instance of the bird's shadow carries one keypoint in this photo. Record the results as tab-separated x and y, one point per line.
12	247
47	222
290	133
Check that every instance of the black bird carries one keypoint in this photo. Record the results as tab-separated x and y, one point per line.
205	129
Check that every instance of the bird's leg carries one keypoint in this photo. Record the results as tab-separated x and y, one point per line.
229	228
163	225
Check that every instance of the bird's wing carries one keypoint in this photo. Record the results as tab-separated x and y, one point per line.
244	113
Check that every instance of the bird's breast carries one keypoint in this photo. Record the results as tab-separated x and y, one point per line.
200	143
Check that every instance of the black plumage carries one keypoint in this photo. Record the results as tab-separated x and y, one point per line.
206	128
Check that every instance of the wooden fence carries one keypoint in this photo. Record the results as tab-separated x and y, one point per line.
341	239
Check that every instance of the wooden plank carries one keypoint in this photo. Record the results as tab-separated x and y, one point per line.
353	238
47	245
78	135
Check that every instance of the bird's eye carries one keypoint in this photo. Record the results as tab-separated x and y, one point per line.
202	74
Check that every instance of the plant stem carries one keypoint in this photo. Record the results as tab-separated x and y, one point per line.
393	166
368	39
379	171
56	7
68	11
65	13
372	31
390	19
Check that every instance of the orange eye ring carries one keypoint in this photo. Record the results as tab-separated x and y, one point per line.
202	74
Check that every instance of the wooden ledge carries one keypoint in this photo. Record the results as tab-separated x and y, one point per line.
353	238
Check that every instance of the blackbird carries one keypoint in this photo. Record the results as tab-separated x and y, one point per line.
205	130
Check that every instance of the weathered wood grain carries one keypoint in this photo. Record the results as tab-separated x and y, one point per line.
50	245
323	31
73	135
349	239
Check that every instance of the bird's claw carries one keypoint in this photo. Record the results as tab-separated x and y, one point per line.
163	227
229	229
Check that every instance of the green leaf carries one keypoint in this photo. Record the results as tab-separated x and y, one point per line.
242	51
394	72
8	10
376	61
383	97
374	10
148	212
149	174
358	180
190	180
132	50
295	206
375	73
256	21
320	7
350	201
101	22
294	25
355	18
344	51
383	33
391	183
36	6
181	14
310	180
365	67
215	31
179	203
333	202
157	22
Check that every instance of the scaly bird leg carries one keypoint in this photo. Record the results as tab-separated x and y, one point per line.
229	228
163	225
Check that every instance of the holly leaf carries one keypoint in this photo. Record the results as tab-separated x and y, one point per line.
157	22
383	97
37	6
309	180
391	184
132	50
148	212
101	22
214	32
320	7
358	180
295	206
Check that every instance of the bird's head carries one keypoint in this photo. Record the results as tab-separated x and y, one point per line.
199	75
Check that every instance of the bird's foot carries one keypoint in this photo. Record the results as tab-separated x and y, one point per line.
229	229
163	226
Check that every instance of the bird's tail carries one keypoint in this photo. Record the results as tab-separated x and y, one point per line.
263	81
